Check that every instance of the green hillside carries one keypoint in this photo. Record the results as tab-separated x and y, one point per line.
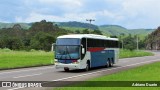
113	29
73	28
108	30
119	30
10	25
141	31
75	24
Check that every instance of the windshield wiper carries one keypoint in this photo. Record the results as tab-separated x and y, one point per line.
67	52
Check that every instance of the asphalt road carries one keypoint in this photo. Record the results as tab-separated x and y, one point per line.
49	73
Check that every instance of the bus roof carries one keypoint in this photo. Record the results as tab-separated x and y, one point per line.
94	36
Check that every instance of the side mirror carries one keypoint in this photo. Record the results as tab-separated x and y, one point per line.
83	51
53	47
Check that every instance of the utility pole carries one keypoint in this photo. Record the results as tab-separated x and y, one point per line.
137	43
90	21
122	43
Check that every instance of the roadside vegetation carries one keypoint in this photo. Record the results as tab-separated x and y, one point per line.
128	53
16	59
148	72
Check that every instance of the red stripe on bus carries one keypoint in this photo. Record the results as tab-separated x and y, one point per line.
95	49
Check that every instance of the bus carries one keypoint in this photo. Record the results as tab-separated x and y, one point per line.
85	51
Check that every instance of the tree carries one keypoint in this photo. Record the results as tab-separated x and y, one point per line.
129	43
17	27
40	36
42	41
12	43
113	36
77	32
97	32
42	26
85	31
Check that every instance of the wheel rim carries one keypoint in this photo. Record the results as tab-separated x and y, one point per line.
110	63
107	65
87	67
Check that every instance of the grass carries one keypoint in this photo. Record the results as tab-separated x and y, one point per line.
15	59
150	72
129	54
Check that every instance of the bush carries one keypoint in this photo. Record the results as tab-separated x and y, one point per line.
6	50
32	50
130	47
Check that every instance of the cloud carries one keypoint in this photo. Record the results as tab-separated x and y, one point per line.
142	13
34	17
66	5
68	17
63	2
128	13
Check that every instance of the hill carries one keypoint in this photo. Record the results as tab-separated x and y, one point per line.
74	24
141	31
109	30
119	30
10	25
114	30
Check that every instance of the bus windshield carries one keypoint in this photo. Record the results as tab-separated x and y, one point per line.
68	41
67	52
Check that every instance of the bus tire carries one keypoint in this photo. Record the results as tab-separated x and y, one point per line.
110	63
107	64
87	66
66	69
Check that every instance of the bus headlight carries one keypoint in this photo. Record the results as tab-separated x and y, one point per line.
75	61
55	61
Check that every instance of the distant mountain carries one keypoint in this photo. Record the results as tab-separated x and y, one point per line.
10	25
119	30
74	24
114	30
141	31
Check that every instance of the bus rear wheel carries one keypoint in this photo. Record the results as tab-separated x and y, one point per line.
110	63
107	64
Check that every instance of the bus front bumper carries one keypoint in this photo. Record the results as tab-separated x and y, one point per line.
70	66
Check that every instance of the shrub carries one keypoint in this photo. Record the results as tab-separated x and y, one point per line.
6	50
32	50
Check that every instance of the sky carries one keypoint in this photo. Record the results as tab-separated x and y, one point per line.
130	14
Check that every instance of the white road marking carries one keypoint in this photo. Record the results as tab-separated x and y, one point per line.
96	72
28	75
105	70
15	88
25	70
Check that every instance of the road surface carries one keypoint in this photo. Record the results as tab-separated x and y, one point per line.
49	73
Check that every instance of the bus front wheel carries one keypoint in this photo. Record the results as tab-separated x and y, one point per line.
87	67
66	69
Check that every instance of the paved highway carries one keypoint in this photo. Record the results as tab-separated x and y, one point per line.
49	73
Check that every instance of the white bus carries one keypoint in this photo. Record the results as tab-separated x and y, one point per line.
84	51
